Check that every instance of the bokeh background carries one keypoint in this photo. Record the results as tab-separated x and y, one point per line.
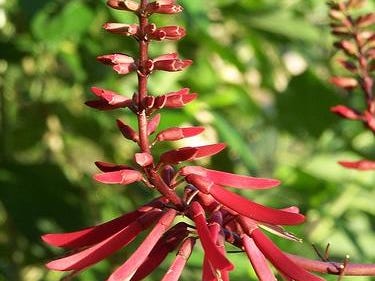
260	68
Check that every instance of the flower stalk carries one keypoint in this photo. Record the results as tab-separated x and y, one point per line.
219	215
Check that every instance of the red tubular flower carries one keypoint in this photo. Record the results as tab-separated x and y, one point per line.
175	270
143	159
126	5
162	7
257	260
110	167
215	257
286	266
153	124
101	250
122	28
168	62
228	179
108	100
190	153
128	269
167	33
96	234
344	82
179	99
243	206
174	134
127	131
119	177
346	112
169	242
364	165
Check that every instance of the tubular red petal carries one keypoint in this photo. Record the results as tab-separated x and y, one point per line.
209	150
96	234
175	270
169	242
228	179
156	7
96	253
121	28
174	134
143	159
171	65
254	210
363	165
257	259
119	177
110	167
280	260
127	5
345	112
114	59
177	156
126	271
347	83
113	99
127	131
215	257
177	101
170	56
153	124
124	68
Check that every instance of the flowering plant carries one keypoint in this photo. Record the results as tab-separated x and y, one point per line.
194	202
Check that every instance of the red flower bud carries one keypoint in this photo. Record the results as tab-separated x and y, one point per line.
127	5
257	259
159	8
228	179
167	33
364	165
96	253
286	266
127	131
143	159
174	134
346	112
108	100
215	257
344	82
110	167
153	124
119	177
121	28
175	270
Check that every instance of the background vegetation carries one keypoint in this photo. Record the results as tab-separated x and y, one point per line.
260	68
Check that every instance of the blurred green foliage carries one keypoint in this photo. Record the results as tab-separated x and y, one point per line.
260	68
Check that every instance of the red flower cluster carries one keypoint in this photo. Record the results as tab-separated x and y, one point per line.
356	41
206	209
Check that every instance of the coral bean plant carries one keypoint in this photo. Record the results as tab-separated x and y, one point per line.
198	198
356	40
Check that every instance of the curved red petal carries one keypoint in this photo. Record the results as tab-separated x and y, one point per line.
96	253
254	210
280	260
229	179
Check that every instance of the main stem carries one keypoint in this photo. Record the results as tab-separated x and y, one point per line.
142	83
144	144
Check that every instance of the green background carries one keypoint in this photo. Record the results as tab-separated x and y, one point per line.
260	68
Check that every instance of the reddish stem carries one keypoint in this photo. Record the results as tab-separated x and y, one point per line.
142	82
335	268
